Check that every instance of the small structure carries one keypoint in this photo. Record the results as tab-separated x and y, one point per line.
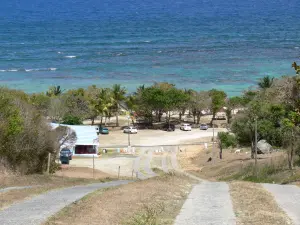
87	141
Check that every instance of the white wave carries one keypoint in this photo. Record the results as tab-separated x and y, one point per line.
52	69
59	52
29	70
147	41
296	47
12	70
159	52
2	70
70	56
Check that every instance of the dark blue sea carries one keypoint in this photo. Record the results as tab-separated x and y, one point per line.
199	44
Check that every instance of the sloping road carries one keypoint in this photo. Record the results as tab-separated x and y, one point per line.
209	203
36	210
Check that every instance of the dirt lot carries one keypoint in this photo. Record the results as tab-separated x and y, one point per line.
82	172
155	137
160	198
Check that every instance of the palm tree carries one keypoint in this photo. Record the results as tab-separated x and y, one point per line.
118	95
54	91
266	82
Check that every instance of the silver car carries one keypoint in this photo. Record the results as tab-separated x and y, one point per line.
131	130
203	127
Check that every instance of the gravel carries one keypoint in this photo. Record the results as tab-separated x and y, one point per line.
209	203
288	198
36	210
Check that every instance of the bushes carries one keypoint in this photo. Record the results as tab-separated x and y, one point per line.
227	140
25	137
72	120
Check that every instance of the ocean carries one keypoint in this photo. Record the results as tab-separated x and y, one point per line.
198	44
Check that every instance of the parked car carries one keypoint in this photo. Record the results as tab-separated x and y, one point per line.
103	130
169	127
186	127
131	130
65	152
203	127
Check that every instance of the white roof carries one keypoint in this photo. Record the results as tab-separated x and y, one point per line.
86	135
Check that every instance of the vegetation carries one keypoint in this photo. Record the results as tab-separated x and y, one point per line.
26	139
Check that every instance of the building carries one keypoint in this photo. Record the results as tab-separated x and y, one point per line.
87	141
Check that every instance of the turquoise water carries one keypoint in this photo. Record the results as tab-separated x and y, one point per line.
194	44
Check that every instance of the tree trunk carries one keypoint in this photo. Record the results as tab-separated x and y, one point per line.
252	149
93	120
180	115
198	117
159	115
105	121
117	115
221	149
291	154
101	120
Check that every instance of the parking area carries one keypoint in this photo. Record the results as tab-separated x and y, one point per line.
156	137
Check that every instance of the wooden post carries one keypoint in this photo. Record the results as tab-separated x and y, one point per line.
49	161
119	172
93	166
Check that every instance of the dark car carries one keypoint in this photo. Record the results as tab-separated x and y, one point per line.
169	127
104	130
65	152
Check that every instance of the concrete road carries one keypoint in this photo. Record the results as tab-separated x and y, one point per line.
36	210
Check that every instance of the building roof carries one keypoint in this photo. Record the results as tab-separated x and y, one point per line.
86	135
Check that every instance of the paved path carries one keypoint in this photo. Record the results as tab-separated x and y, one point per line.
36	210
147	165
288	198
17	188
136	168
164	164
209	203
174	161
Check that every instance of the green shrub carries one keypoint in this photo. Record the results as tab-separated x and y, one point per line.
72	120
227	140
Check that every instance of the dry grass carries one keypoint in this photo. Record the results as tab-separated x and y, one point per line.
13	196
253	205
82	172
195	162
122	204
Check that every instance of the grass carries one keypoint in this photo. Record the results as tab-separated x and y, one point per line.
253	205
269	172
149	215
158	200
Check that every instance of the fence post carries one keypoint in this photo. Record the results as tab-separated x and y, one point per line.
93	166
49	161
119	172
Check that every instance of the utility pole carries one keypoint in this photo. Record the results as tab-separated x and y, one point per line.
213	145
255	147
